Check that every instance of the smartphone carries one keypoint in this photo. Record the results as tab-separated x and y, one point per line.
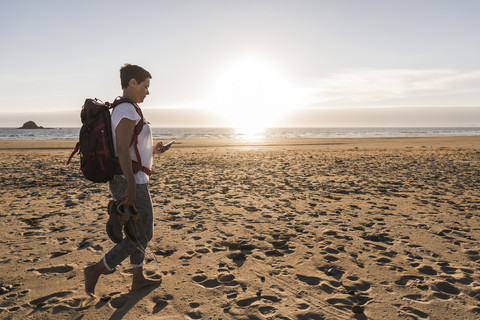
169	143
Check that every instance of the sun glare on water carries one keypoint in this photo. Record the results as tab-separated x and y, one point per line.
251	94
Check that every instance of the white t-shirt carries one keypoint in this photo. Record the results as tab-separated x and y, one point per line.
145	140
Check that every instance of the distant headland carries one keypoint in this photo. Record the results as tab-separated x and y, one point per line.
30	125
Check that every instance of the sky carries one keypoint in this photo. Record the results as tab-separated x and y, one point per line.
246	64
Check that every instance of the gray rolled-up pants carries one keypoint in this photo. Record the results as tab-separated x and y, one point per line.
143	226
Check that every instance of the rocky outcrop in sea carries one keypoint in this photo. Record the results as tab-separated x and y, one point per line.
30	125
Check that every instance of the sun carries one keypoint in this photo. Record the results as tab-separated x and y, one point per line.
250	94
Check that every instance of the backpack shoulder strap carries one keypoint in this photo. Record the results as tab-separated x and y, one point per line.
118	100
136	132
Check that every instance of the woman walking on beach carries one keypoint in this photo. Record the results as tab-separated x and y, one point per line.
130	187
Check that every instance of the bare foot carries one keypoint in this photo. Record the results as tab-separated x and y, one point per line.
91	275
142	283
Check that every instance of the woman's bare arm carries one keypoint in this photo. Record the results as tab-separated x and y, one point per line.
124	132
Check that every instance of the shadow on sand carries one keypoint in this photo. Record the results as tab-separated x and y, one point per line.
125	302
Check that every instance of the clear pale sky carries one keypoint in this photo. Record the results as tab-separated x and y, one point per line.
219	63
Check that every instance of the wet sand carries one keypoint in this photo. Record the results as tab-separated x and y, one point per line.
273	229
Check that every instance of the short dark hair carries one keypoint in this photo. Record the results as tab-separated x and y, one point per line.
131	71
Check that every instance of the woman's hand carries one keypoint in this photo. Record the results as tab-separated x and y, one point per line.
160	148
130	194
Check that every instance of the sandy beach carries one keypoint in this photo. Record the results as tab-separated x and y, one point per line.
278	229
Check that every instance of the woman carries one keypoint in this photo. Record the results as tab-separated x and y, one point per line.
130	187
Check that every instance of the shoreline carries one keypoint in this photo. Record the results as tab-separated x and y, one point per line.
322	143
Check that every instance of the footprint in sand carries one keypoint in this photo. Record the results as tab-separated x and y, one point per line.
24	292
267	310
222	279
42	301
341	301
414	297
210	283
59	253
227	280
164	253
445	287
425	269
194	315
416	312
85	243
73	303
118	302
312	281
248	301
356	286
54	269
405	279
199	278
330	258
161	302
153	275
445	268
382	261
473	255
311	316
160	305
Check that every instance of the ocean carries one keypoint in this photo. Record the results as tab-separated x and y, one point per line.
205	133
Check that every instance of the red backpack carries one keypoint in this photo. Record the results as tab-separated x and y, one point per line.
97	157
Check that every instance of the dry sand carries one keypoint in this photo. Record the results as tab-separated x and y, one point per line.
279	229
